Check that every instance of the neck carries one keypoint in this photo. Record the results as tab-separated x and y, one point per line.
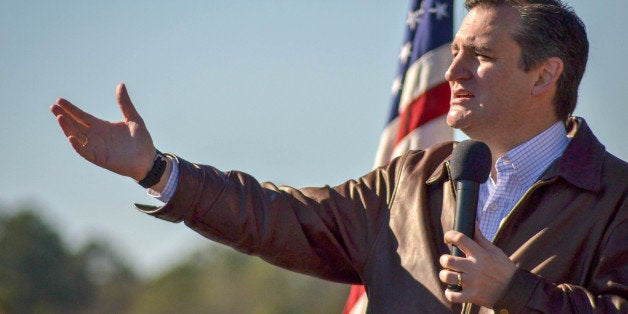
502	142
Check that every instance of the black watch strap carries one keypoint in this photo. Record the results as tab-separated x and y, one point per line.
154	175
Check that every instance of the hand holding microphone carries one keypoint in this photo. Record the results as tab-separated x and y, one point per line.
470	166
481	270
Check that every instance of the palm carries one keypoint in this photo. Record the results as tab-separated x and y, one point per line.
123	147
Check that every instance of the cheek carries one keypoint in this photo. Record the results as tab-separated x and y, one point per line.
503	81
498	87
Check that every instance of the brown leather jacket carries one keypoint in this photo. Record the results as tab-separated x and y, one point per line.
568	235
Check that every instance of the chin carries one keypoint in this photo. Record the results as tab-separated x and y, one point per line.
457	123
461	125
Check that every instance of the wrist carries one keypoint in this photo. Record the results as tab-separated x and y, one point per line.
161	185
156	172
518	292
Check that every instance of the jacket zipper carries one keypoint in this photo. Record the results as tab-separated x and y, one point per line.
535	186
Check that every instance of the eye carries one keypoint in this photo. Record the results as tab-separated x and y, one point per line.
482	56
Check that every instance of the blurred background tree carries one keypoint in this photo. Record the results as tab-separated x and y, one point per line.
40	274
221	280
37	273
116	283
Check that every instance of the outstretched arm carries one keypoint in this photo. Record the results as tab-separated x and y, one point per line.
124	147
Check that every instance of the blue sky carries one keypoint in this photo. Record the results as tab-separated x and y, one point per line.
294	92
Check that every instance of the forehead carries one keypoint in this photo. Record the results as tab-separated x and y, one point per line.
487	26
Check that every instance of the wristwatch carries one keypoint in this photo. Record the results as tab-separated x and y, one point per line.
154	175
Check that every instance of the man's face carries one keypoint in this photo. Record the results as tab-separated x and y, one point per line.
489	90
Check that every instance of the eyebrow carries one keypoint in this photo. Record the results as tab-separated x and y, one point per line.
474	47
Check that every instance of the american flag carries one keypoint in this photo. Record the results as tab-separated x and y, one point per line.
420	95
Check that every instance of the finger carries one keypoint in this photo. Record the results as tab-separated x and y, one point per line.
83	148
454	263
76	113
454	296
71	127
56	110
79	145
126	106
451	279
464	243
449	276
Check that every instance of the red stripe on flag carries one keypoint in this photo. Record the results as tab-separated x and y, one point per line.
354	295
431	105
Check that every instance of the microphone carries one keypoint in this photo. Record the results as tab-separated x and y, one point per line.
470	166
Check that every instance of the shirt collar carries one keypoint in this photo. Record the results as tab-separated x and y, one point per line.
581	163
530	159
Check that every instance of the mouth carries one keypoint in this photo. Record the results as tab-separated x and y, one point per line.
459	95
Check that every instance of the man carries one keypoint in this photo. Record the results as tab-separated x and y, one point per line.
554	208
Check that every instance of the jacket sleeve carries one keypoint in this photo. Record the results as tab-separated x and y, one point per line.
605	293
324	232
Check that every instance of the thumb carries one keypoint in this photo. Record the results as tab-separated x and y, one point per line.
124	101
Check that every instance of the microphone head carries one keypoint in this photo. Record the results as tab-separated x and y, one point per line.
470	160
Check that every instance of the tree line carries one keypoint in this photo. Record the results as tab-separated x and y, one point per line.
40	274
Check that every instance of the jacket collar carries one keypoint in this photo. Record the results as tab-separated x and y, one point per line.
581	163
442	172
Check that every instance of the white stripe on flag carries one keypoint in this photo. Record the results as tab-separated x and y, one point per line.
427	135
424	74
360	305
386	143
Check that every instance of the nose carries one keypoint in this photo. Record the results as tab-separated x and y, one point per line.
457	70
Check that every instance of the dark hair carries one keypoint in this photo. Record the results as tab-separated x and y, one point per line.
550	28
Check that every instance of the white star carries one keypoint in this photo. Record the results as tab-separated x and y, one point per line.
412	19
404	53
440	10
417	16
396	86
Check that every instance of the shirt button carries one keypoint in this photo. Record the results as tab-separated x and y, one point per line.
493	206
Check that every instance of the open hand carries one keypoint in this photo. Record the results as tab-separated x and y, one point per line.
123	147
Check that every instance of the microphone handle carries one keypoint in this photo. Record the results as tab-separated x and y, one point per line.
467	192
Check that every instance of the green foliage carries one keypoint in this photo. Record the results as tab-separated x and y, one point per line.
221	280
38	274
116	283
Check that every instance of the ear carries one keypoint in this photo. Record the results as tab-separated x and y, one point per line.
549	71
